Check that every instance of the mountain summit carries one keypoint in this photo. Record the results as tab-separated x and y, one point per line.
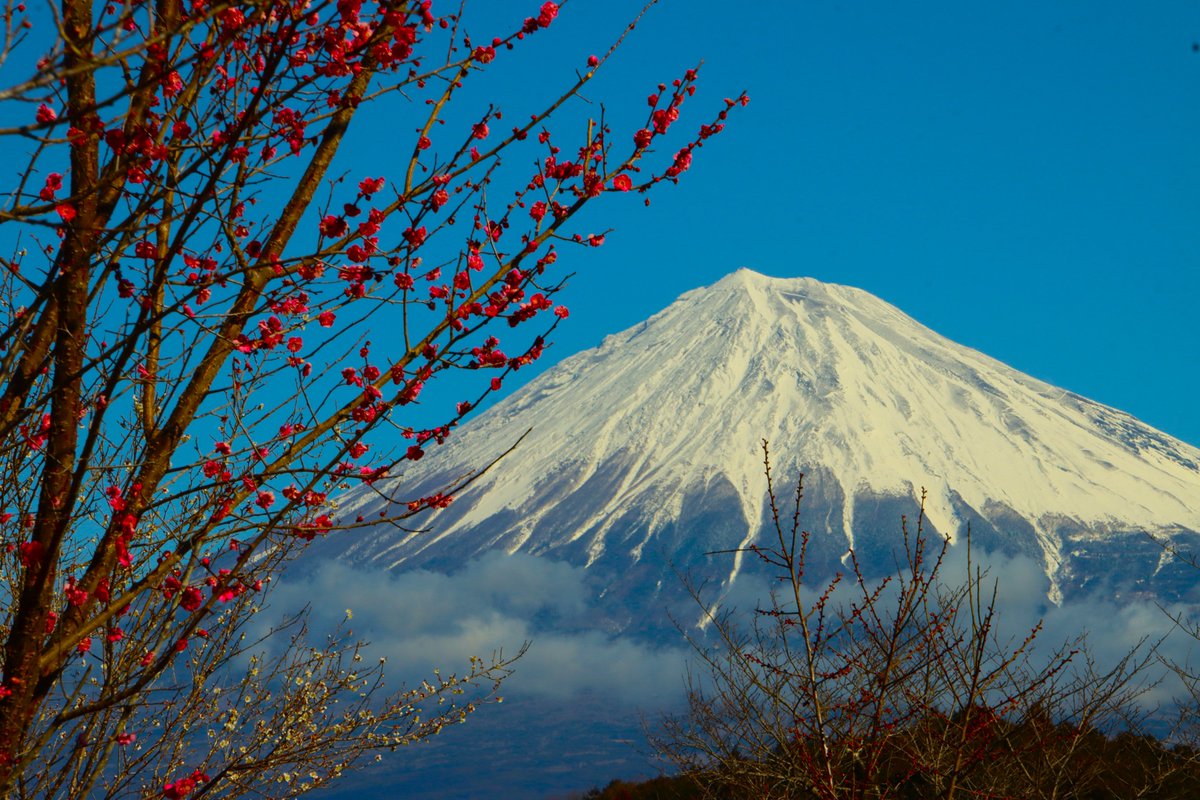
645	450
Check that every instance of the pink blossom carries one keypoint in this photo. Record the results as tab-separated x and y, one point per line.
54	182
232	19
177	790
415	236
368	186
191	598
333	226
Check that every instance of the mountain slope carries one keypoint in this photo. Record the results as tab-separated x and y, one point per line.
645	450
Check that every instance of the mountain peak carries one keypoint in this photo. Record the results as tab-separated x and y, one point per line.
747	281
636	440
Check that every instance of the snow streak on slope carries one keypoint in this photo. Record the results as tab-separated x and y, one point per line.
666	417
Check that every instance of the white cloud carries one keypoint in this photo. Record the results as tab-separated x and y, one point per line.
420	620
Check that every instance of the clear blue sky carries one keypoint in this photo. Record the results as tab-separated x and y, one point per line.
1022	177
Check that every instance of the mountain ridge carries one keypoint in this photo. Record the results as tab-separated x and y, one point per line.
663	420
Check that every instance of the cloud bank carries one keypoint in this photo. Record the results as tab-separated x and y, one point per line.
574	704
420	620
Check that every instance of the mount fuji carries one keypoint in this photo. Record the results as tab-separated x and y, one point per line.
643	455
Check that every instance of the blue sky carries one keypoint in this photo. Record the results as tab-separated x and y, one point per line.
1023	178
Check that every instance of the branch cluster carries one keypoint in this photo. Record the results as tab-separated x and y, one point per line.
903	687
206	333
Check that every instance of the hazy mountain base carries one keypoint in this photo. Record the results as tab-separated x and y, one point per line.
525	749
571	715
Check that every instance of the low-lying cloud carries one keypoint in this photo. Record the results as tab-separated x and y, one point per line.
575	701
420	620
1105	627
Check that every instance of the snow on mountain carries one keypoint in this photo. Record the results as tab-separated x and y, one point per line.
645	451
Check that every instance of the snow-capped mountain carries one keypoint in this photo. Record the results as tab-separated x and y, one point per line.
644	453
